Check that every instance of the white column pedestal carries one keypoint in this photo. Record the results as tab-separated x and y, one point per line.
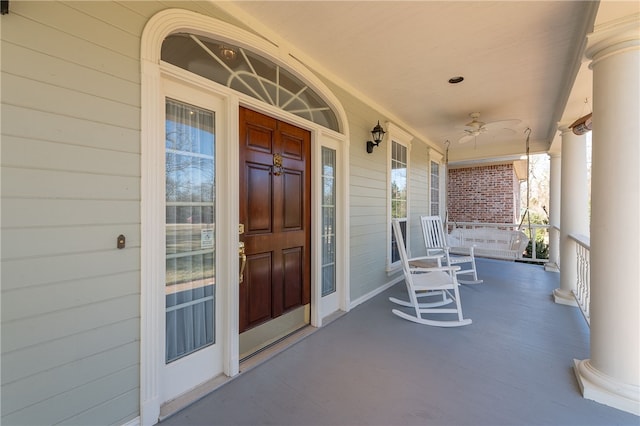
604	389
564	297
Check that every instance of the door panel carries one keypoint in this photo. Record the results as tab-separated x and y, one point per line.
275	208
293	201
293	262
258	278
259	196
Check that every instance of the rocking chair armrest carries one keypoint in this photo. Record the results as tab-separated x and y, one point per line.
429	257
470	248
434	269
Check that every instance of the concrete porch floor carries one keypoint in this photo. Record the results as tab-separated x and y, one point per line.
512	366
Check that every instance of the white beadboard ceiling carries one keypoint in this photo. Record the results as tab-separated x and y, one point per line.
520	60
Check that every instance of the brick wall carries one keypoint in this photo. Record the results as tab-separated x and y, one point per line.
484	194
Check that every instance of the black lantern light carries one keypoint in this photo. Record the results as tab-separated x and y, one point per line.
377	133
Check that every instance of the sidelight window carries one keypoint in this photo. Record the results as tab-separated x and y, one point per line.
328	221
190	229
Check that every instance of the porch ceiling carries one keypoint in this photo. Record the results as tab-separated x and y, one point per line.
519	60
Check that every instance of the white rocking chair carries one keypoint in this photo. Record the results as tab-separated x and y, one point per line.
435	240
440	282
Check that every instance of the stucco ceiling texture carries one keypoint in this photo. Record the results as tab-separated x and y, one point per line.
521	60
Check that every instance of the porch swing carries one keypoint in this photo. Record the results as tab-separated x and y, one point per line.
491	242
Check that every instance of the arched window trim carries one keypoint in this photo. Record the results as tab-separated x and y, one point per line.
172	21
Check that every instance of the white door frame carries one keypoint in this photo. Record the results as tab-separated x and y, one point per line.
183	374
227	164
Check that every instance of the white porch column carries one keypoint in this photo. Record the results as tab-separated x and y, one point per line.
612	375
574	210
554	212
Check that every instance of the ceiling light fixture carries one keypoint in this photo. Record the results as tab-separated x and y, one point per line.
228	53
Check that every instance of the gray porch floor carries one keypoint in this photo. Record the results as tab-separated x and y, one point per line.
512	366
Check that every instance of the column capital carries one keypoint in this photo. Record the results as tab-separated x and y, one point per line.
613	37
566	132
564	128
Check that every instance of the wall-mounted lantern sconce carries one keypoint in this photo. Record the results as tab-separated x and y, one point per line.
377	133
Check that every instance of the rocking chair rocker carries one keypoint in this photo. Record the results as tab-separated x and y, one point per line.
435	241
440	282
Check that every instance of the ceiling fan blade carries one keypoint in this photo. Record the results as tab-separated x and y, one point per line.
466	138
501	124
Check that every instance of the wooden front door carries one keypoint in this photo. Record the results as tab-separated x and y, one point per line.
275	208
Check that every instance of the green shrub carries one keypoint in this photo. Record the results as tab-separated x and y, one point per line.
542	248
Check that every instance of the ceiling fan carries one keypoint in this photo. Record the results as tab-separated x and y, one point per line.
476	127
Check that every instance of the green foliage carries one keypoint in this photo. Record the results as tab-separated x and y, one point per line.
542	248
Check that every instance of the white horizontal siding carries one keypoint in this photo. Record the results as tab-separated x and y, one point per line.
47	384
65	19
130	20
25	272
20	29
19	365
55	325
123	403
42	242
27	212
369	200
45	155
70	186
39	96
35	183
54	127
63	74
419	206
66	405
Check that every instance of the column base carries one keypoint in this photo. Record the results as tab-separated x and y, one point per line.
606	390
551	267
563	297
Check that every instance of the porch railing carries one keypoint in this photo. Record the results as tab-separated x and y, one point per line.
582	293
539	234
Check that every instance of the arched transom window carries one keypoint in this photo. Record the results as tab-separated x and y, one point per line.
249	73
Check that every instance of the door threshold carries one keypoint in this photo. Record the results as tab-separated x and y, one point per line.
271	350
169	408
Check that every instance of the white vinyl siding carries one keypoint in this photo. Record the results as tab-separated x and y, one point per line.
70	186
